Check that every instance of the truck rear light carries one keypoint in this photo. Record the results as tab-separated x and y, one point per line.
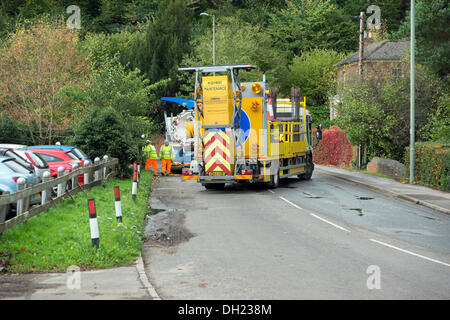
247	171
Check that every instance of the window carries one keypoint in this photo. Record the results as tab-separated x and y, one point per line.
79	154
16	167
72	156
38	160
50	158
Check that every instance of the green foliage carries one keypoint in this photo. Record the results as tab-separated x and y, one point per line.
432	164
376	113
105	131
102	47
13	131
432	36
309	24
166	40
113	86
320	115
238	43
392	11
437	128
315	74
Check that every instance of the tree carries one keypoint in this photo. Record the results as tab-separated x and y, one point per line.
432	36
105	131
167	39
36	64
376	113
239	43
314	72
392	11
309	24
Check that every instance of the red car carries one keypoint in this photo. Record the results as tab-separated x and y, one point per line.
59	158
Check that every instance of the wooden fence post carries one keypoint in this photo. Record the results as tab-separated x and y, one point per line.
60	189
97	176
86	175
3	210
74	178
105	169
21	182
45	196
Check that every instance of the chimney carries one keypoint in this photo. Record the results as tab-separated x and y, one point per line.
368	38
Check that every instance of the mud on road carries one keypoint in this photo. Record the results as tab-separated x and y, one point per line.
166	228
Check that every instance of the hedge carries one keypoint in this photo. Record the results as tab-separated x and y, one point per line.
334	148
432	164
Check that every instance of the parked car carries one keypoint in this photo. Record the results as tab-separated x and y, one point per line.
40	165
8	152
73	151
10	171
56	158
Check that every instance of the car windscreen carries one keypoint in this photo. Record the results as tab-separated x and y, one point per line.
19	159
38	160
50	158
16	166
187	157
79	154
72	156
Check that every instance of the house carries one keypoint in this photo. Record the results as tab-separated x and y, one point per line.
380	59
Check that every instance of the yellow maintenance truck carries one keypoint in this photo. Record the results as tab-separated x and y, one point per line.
243	133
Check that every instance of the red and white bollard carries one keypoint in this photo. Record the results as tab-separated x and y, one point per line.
117	204
137	170
134	187
95	236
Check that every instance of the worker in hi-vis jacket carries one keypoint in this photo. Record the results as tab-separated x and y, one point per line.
165	153
149	151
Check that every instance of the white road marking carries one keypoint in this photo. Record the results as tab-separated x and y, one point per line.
272	191
292	204
315	216
329	222
409	252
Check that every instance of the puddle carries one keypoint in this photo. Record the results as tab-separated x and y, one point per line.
358	210
363	198
311	196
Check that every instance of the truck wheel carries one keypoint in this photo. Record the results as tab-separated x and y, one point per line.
274	180
309	170
214	186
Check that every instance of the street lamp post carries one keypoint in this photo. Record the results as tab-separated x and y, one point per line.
204	14
412	98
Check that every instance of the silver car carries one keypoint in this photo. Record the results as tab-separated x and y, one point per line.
38	162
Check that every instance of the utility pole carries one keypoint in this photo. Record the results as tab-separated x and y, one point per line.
412	150
361	45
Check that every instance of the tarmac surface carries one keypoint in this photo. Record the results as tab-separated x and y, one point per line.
317	239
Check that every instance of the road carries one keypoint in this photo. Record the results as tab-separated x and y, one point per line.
317	239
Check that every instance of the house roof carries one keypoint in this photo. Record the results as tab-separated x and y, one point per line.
381	50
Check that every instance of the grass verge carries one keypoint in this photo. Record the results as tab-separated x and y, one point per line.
54	240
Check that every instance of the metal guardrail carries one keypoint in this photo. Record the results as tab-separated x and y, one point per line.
96	173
